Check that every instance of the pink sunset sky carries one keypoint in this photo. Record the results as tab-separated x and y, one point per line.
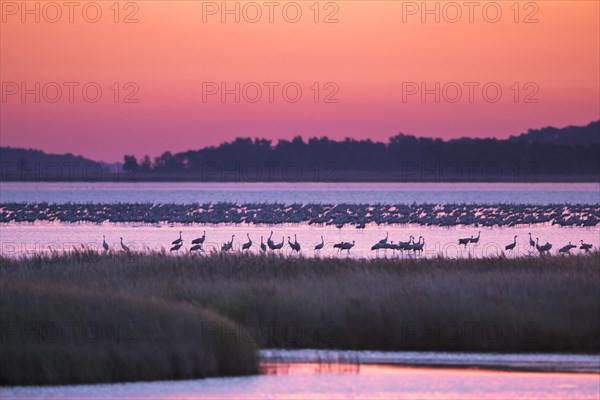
368	60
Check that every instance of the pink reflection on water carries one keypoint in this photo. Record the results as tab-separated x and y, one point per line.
17	239
342	381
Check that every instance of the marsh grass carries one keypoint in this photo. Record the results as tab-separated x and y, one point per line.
63	334
536	304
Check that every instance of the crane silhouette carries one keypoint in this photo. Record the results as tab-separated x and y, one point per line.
200	240
567	248
585	246
177	246
419	245
475	240
511	247
177	241
263	247
377	246
465	241
196	247
385	239
104	244
279	245
411	244
542	249
295	246
320	245
344	246
347	246
402	245
531	241
248	244
124	247
228	245
270	242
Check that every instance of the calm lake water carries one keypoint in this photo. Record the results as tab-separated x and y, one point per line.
21	238
340	380
289	193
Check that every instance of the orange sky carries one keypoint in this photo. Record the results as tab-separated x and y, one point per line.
371	52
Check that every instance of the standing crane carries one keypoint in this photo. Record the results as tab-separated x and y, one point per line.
177	246
320	245
200	240
585	246
511	247
248	244
279	245
385	239
270	242
295	246
567	248
465	241
475	240
124	247
177	241
263	247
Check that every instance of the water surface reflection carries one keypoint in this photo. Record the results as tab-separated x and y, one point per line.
312	381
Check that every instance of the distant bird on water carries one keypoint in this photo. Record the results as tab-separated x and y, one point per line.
585	246
475	240
177	246
385	239
124	247
295	245
465	241
567	248
419	245
270	242
531	241
542	249
347	246
511	246
344	246
320	245
200	240
196	247
263	247
228	245
248	244
279	245
177	241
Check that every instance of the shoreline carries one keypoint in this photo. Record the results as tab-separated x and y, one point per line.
578	363
374	178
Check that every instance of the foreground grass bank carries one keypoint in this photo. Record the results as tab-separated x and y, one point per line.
60	334
199	316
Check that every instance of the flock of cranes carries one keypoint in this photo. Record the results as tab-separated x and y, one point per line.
382	244
338	215
410	245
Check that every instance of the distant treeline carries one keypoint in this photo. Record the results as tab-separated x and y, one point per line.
549	154
535	155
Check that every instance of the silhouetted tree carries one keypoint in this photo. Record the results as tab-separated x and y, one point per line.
130	164
146	164
167	162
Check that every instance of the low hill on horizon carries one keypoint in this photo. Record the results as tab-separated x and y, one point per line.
30	164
